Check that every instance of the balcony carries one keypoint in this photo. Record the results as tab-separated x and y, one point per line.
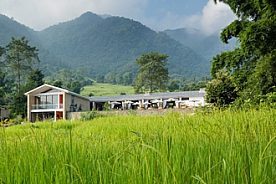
46	106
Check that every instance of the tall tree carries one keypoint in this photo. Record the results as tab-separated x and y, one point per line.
2	87
34	79
20	58
2	79
153	74
252	65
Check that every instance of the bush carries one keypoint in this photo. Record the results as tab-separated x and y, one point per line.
17	120
86	116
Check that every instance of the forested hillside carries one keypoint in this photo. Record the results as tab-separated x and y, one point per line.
9	28
100	46
207	46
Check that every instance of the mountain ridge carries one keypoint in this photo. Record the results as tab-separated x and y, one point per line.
207	46
102	45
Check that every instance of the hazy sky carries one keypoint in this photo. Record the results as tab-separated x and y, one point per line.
157	14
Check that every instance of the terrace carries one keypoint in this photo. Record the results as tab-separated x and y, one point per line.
48	101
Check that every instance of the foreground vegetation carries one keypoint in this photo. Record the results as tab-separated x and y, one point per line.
105	89
219	147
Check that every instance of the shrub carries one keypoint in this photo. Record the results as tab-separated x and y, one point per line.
86	116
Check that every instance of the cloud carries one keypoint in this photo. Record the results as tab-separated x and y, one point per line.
211	19
43	13
40	14
215	17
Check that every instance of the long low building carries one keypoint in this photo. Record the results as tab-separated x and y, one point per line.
154	100
51	102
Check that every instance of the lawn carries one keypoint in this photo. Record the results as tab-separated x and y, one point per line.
103	89
219	147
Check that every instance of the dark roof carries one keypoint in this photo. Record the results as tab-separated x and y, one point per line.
152	96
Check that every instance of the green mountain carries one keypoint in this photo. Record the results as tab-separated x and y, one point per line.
100	45
207	46
10	28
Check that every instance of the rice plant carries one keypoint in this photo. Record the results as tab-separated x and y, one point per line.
219	147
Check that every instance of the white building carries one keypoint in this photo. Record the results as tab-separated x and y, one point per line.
154	100
50	102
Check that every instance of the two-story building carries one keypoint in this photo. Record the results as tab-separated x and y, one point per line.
50	102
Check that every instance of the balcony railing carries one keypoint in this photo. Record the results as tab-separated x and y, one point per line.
47	106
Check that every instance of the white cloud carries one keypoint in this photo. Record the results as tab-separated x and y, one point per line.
215	17
211	19
40	14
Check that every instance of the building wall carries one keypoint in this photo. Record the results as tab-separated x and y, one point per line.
76	102
30	102
196	101
4	113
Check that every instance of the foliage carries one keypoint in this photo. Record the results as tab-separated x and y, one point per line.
35	79
252	65
153	74
180	83
173	85
69	79
219	147
101	46
125	78
20	58
2	87
87	116
221	90
19	74
206	45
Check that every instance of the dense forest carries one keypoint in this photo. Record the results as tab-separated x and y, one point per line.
99	47
247	74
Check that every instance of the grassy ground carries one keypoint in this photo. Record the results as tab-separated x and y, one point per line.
220	147
103	89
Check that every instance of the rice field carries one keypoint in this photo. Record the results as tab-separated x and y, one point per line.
219	147
105	89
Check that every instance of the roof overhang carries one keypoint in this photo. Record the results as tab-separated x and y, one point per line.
46	87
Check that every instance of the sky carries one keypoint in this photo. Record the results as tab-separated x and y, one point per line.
159	15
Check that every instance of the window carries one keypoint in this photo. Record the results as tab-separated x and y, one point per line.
49	99
43	100
55	99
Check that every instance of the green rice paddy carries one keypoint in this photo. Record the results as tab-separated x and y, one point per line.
219	147
105	89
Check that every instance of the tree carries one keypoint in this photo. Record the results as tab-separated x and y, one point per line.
2	50
34	79
2	83
221	91
153	74
252	65
173	85
2	88
20	58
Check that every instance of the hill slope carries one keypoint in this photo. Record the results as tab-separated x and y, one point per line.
100	45
113	43
206	45
10	28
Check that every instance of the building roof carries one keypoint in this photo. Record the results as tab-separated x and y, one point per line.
137	97
46	87
152	96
